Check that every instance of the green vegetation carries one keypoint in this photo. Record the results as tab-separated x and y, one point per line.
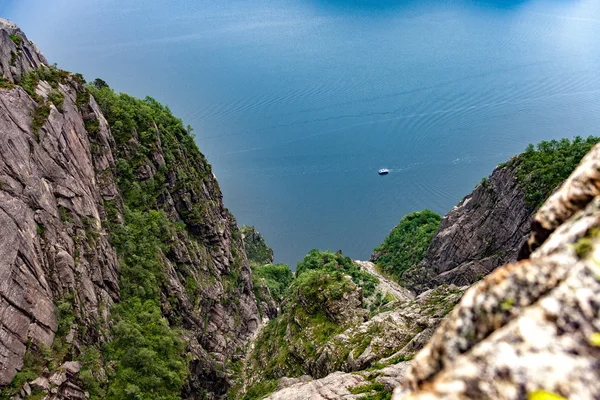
257	251
149	358
542	168
57	98
407	243
289	344
5	84
40	115
277	276
375	390
337	262
148	355
261	390
16	39
147	122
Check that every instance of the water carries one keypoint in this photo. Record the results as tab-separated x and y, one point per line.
297	104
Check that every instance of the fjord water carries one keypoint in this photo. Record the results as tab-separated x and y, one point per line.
297	104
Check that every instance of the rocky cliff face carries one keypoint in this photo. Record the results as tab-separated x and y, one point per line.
53	244
63	201
485	230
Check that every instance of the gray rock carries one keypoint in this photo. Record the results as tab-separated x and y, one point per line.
17	59
40	383
485	230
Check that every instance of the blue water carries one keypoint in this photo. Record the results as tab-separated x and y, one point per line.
298	103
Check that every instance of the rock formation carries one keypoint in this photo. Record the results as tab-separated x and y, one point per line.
485	230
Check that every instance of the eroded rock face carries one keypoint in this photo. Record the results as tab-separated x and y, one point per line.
530	326
17	54
55	182
484	231
52	241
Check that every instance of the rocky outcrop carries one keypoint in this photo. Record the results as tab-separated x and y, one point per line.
17	54
531	327
485	230
257	251
62	197
53	244
341	385
390	335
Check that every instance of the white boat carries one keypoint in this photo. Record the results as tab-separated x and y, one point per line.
383	171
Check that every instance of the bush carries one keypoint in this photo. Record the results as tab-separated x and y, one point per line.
540	169
407	243
278	278
328	261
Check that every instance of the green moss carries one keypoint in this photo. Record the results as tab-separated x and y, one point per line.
507	304
407	243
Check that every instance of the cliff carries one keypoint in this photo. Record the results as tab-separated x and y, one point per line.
112	227
485	230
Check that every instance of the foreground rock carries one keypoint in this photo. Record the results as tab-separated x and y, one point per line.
532	326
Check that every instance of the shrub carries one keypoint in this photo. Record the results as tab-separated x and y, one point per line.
278	278
407	243
16	39
540	169
328	261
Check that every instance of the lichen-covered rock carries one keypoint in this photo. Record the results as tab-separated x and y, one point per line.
342	385
530	326
485	230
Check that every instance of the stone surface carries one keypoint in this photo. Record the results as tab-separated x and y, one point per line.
531	325
338	385
50	216
17	59
485	230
